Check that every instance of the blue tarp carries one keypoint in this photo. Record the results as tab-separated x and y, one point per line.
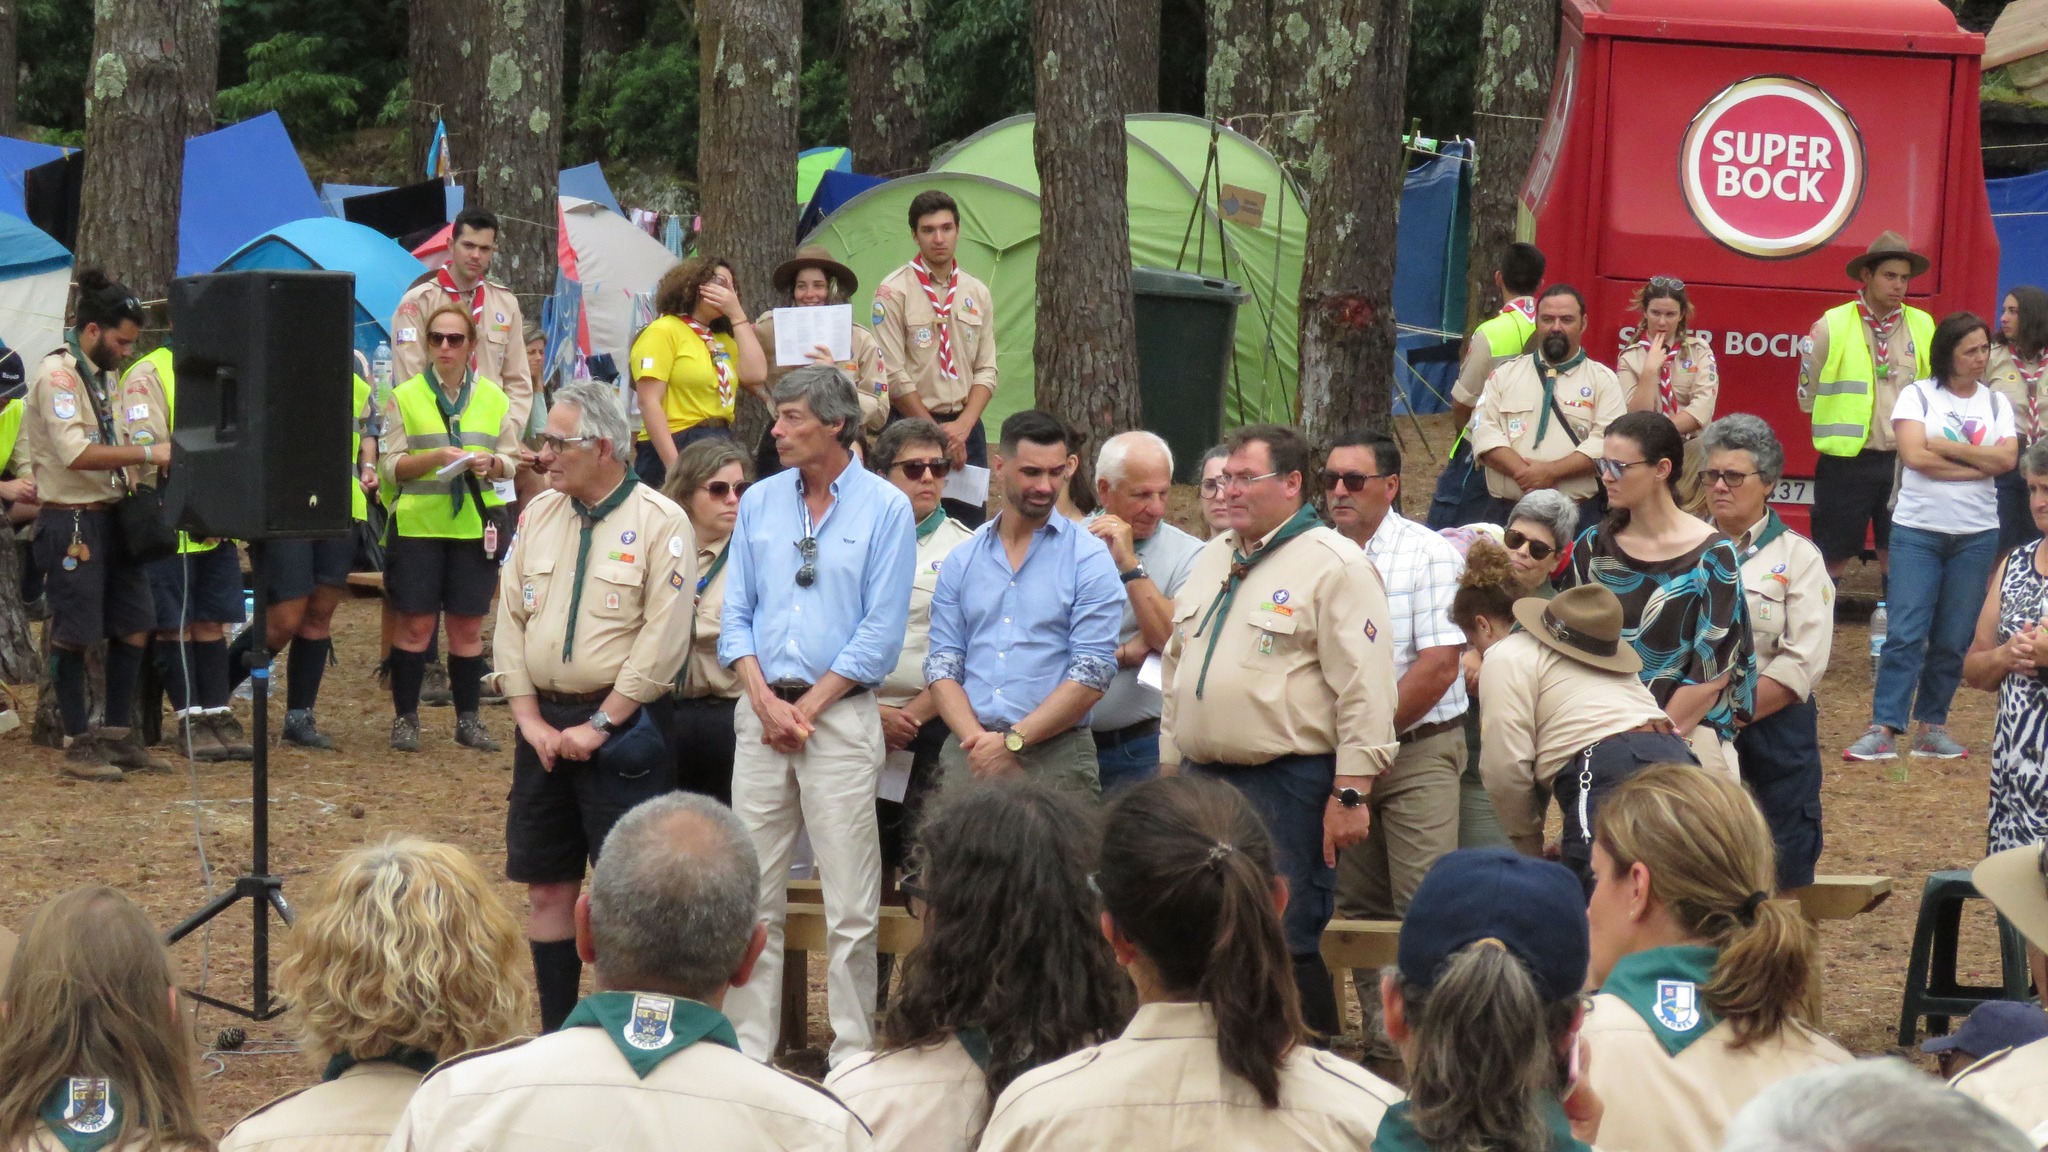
585	183
2019	210
240	182
331	196
26	249
834	189
17	157
1429	279
383	269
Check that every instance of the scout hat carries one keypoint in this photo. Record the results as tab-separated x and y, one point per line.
1583	623
2017	885
1532	908
815	256
1888	246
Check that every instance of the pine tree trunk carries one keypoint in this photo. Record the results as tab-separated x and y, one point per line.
1355	171
445	48
1137	55
885	85
48	728
610	27
519	163
746	149
1086	350
1518	41
151	86
1294	34
1240	70
10	66
17	645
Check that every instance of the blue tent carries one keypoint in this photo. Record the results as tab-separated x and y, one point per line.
585	183
239	181
384	269
17	157
835	187
1429	279
2019	210
35	280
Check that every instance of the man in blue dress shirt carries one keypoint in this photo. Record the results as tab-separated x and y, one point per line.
1024	626
817	596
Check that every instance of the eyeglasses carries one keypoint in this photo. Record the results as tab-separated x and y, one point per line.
1616	469
1671	282
1350	481
915	898
720	489
917	469
808	574
1241	480
1212	487
447	339
1537	549
1728	476
558	444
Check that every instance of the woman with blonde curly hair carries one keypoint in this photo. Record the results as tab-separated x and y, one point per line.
92	1053
404	957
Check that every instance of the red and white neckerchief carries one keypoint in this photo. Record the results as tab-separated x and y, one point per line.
1667	400
720	362
1526	305
1882	333
942	310
2031	377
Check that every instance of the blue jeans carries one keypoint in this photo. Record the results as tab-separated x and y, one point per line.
1290	794
1937	587
1131	762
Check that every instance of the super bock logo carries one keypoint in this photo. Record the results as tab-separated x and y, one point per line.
1678	1005
1772	167
649	1028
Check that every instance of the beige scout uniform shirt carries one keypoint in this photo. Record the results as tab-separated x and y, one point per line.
391	447
142	415
907	680
1657	1102
1161	1086
630	632
870	378
1695	381
1791	608
1510	414
1304	664
353	1113
2003	374
2014	1084
1481	358
572	1089
1537	709
706	677
907	328
1813	356
916	1099
56	425
500	349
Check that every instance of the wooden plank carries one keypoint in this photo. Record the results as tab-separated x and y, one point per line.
366	581
1842	897
2021	31
806	892
796	1002
804	930
1360	943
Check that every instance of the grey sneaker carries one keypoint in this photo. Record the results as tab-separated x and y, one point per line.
233	741
84	760
434	691
405	733
1878	743
1935	743
300	730
471	733
123	750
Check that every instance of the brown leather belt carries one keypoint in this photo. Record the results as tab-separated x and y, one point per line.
597	697
947	414
1118	737
95	506
1425	731
791	691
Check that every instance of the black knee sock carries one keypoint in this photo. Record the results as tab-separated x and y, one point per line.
557	971
124	664
71	691
238	655
465	681
407	670
304	666
173	661
210	673
1318	997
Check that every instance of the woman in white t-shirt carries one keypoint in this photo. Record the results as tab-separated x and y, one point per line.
1955	435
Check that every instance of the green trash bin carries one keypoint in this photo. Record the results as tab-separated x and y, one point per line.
1187	333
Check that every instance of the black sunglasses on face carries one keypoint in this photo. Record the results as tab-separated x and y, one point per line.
1538	550
720	489
1353	482
916	469
447	339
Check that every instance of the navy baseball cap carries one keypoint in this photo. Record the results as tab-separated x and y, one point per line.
1991	1027
1535	908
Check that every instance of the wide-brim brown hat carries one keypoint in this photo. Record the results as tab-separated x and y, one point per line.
2012	880
815	256
1583	623
1888	246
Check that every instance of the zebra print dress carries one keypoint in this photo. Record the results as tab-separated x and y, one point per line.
2019	741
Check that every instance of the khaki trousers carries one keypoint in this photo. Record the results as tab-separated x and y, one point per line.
1415	810
1065	761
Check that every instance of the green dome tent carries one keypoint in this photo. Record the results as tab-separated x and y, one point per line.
1239	219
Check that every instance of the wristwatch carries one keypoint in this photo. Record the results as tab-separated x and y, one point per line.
1135	574
601	723
1349	797
1013	740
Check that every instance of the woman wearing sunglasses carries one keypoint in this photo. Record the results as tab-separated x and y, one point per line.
707	481
1539	538
812	279
1680	586
1012	971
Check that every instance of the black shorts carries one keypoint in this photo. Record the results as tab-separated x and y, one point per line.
557	820
424	575
198	588
293	568
102	596
1780	757
1850	494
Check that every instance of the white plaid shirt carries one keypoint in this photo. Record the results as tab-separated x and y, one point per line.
1420	570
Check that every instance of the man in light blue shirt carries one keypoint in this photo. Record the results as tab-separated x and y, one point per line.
817	596
1024	626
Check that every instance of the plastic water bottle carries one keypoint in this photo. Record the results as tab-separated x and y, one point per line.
1878	622
380	385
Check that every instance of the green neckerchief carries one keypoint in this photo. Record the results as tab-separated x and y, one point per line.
97	395
418	1059
717	564
1773	528
1663	986
930	524
648	1028
590	517
1241	565
451	411
1397	1133
975	1040
83	1113
1550	373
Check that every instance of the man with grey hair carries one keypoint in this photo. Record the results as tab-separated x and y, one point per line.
817	596
1133	474
669	925
1870	1106
589	636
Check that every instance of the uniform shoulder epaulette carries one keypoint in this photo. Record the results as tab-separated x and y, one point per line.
260	1109
422	278
473	1053
954	521
1355	1075
1980	1065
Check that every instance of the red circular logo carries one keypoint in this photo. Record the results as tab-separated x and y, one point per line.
1772	167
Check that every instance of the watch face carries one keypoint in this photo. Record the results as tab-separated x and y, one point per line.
1013	740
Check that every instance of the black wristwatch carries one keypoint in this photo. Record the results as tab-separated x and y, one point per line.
1137	573
1349	797
601	723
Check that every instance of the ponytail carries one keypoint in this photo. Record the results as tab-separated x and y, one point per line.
1764	972
1248	980
1485	1053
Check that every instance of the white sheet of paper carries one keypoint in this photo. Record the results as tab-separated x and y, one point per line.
895	776
968	484
448	471
1152	673
799	330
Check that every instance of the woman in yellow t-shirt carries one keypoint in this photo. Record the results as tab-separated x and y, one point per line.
689	365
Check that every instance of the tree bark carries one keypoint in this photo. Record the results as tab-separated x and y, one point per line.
1297	29
1240	70
746	149
17	645
519	163
10	63
151	85
1518	41
610	27
1137	55
1355	168
885	86
1086	348
446	46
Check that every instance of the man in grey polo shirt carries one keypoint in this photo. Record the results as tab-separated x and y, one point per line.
1133	474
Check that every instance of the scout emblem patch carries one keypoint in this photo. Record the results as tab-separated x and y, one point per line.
89	1104
675	580
648	1029
1678	1005
64	404
1265	643
1372	630
675	546
923	337
611	601
628	536
526	595
1280	597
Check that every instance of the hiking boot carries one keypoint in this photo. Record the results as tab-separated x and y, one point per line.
434	691
405	733
471	733
1934	743
299	730
229	731
195	737
84	760
124	750
1878	743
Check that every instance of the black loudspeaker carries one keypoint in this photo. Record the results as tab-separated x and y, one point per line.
264	370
